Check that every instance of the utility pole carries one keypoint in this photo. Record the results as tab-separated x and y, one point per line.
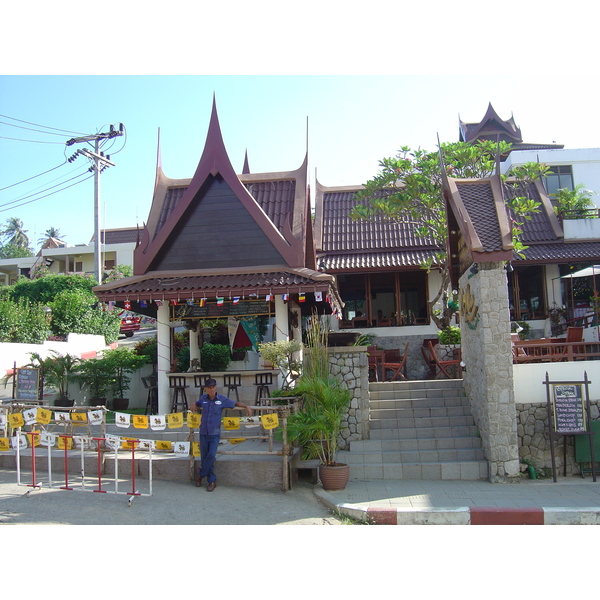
99	163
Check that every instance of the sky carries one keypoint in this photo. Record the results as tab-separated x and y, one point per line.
347	124
348	87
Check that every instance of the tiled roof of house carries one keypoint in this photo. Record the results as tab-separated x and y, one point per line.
344	244
119	236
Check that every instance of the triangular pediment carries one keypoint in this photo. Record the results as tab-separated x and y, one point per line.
213	205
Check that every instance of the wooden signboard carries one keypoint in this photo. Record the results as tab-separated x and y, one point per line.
27	384
568	408
568	404
213	310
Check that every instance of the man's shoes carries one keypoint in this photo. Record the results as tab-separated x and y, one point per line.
198	480
211	486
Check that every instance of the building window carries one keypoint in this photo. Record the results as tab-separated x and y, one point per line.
384	299
527	294
559	177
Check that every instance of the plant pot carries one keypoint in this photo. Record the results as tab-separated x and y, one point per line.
238	355
342	338
120	403
63	401
334	477
97	401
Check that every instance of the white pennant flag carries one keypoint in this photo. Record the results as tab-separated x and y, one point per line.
112	441
47	439
62	417
29	416
181	448
122	420
81	441
95	417
147	445
158	422
2	420
21	440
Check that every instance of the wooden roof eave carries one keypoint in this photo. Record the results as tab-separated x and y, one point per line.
463	219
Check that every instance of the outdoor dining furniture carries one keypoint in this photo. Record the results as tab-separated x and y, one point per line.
375	358
394	364
443	368
178	385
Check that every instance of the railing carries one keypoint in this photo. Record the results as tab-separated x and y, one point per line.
553	350
584	213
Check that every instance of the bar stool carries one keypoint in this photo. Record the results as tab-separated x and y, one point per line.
232	383
200	381
179	397
151	384
262	381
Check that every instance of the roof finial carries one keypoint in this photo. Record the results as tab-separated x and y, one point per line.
246	168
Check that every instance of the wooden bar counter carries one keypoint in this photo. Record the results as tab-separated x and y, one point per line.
247	390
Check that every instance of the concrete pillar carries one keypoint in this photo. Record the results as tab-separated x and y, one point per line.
194	345
281	319
163	344
488	378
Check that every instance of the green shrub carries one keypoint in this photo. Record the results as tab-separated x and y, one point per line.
23	322
215	357
449	335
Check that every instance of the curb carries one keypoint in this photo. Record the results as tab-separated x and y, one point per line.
463	515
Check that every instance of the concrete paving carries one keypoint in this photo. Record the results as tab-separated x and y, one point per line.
569	501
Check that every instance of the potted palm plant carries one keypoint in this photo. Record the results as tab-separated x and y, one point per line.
318	425
59	370
95	376
121	363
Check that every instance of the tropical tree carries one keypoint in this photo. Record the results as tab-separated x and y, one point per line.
578	201
51	232
14	234
409	187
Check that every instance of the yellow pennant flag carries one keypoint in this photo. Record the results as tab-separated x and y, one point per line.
16	420
196	448
175	420
163	445
33	440
4	444
130	443
79	418
231	422
65	442
43	416
270	421
140	421
193	420
236	440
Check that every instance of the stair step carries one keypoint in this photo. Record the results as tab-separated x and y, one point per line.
422	422
425	432
398	445
413	456
465	471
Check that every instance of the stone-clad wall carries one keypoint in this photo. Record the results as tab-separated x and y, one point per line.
486	348
351	365
534	439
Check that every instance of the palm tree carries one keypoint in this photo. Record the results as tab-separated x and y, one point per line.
15	234
51	232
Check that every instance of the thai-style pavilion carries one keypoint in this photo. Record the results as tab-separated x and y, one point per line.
222	244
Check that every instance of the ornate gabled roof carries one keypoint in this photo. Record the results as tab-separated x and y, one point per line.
489	128
492	127
346	245
217	202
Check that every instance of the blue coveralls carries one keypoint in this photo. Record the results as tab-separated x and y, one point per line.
210	431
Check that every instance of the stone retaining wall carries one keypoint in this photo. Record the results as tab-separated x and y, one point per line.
351	365
534	439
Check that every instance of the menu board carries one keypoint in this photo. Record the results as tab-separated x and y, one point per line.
568	408
27	384
213	310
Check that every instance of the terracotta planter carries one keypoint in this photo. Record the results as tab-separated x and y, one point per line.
334	477
120	403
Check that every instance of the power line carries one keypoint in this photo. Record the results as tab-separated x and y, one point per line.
30	178
34	141
31	129
37	125
55	192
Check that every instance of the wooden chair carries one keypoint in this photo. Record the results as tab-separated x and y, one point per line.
374	357
395	363
518	352
444	366
431	373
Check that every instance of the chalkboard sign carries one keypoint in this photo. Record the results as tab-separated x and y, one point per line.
568	407
27	384
212	310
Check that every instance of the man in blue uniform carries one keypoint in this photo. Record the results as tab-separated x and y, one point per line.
212	405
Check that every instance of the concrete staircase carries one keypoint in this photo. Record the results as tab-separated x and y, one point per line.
419	430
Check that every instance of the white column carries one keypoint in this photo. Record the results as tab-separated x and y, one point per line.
281	319
194	345
163	341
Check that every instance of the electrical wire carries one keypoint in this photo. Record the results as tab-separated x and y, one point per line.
44	126
30	178
50	194
41	192
3	137
36	130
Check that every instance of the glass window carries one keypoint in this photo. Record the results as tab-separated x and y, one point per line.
560	176
526	290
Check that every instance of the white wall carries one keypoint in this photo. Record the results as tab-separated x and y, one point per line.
585	163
